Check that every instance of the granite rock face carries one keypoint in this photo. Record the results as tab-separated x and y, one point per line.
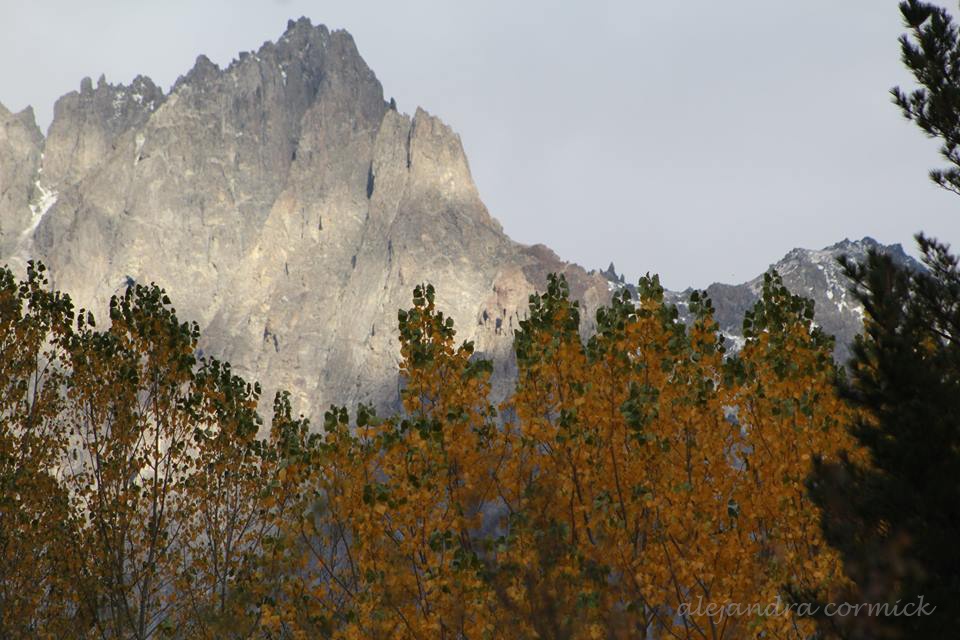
21	149
284	205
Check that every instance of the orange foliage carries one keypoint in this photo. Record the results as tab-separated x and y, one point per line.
631	480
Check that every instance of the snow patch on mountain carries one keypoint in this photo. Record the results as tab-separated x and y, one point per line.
45	201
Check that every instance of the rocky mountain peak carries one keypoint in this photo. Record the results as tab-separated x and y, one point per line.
826	260
610	273
858	249
815	274
285	206
204	71
437	164
88	124
290	211
23	120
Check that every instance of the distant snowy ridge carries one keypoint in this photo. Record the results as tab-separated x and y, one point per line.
814	274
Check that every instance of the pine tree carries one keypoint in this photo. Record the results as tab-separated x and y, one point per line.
932	53
896	520
896	517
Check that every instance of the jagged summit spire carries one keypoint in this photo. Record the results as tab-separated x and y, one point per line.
141	84
26	114
204	70
301	23
312	50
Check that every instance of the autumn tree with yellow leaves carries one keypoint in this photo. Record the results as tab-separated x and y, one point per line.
634	477
36	516
648	472
396	535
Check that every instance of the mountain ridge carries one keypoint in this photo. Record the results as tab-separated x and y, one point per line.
289	209
285	205
813	273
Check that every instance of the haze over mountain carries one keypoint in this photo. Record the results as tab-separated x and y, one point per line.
290	209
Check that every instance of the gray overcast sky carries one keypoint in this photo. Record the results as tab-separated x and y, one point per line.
698	139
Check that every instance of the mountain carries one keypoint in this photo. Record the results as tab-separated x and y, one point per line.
284	204
290	209
814	274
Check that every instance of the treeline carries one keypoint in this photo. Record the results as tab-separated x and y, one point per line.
628	478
